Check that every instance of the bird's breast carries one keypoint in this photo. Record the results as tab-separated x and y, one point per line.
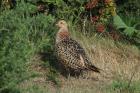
62	36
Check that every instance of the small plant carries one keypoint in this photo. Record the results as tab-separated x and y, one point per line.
127	28
122	87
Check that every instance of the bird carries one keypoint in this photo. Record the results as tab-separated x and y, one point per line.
70	53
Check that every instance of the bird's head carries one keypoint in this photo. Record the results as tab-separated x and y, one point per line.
63	32
62	24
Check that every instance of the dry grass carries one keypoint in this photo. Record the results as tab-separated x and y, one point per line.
117	60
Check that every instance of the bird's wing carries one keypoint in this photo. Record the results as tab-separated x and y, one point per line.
72	53
79	50
83	58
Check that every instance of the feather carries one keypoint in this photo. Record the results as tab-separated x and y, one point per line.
70	52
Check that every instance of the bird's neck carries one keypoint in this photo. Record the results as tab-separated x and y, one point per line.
62	34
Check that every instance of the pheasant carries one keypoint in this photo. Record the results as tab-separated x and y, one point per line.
70	53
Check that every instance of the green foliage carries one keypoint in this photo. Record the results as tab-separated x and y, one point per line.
123	87
66	9
21	36
10	90
129	31
128	26
127	7
118	22
70	10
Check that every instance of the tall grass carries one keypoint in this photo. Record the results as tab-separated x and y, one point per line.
21	36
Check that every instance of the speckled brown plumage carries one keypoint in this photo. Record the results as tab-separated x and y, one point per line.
69	52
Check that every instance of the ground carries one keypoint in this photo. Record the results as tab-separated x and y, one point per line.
118	61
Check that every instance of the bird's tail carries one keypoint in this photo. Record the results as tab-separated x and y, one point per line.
93	68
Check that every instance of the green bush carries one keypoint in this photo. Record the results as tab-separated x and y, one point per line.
21	37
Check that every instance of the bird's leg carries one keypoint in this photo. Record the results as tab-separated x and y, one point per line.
77	73
67	73
85	74
82	73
